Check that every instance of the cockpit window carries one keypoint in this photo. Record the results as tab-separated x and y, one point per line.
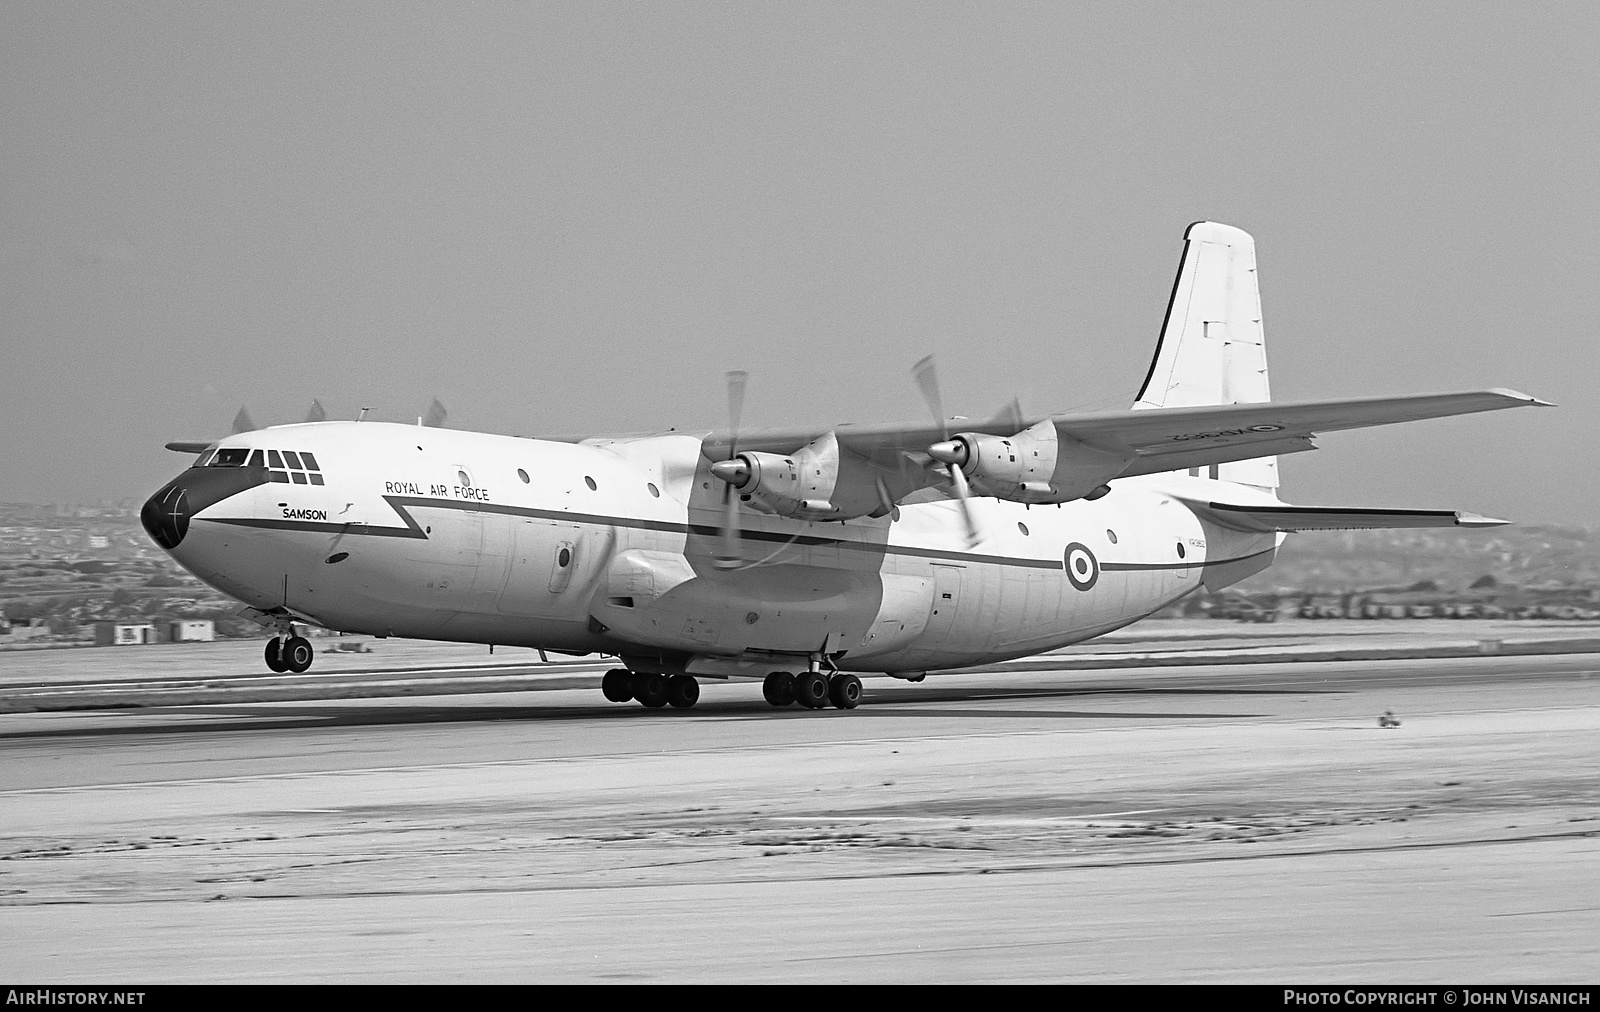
257	459
230	456
301	468
204	460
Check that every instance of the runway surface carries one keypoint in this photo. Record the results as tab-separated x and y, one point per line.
1214	823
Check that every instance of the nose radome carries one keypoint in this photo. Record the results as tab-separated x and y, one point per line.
166	514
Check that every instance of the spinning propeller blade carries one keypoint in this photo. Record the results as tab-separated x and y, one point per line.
729	553
945	451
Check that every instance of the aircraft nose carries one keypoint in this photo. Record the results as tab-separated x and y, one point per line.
166	514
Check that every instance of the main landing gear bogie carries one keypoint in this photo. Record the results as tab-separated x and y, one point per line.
812	689
651	689
293	653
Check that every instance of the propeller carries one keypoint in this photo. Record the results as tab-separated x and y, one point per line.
950	452
733	472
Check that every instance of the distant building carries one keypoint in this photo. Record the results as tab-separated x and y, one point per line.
22	630
122	634
192	630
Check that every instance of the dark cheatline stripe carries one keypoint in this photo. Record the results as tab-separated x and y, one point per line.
1130	566
414	530
318	527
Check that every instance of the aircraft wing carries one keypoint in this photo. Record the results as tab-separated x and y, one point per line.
1265	519
1152	440
1170	439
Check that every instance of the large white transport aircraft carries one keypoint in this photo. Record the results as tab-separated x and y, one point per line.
800	558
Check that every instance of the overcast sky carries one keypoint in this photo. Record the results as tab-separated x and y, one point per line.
576	217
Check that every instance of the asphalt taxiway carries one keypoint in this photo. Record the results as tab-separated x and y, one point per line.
1209	822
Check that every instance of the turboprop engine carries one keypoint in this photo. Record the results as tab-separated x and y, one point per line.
816	482
1031	466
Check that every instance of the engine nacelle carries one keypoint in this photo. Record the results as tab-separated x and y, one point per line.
806	484
1018	468
1032	466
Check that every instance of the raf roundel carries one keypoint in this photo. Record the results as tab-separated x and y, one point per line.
1083	569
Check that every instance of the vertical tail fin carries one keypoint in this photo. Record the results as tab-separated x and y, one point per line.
1211	349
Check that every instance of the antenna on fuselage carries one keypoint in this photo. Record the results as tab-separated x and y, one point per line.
363	416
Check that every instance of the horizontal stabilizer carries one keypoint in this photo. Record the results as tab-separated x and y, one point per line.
186	446
1266	519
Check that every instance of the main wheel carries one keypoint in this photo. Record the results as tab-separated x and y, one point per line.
650	689
682	691
297	654
779	688
617	685
844	691
275	655
811	689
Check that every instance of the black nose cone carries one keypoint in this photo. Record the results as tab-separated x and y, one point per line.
166	514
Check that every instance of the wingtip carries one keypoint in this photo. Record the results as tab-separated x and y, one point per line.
1475	520
1518	395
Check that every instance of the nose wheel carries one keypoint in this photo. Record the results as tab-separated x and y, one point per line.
291	654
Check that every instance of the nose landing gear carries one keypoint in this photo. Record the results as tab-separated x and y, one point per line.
293	653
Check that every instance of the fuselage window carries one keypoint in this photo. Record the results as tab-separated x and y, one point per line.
1023	528
655	493
523	475
1111	536
233	456
590	482
1180	550
564	559
465	481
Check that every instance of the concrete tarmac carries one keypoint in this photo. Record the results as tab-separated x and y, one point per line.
1247	822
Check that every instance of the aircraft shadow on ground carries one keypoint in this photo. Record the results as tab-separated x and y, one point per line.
892	702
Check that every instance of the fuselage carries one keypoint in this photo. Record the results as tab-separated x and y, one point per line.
609	547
